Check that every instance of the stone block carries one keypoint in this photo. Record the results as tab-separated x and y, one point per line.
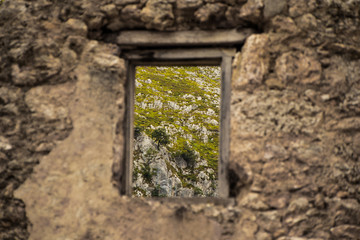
157	15
346	231
50	102
76	26
252	11
295	67
253	63
188	4
273	7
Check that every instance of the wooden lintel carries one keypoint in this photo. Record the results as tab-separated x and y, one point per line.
183	38
180	54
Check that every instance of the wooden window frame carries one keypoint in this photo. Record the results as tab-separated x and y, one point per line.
198	47
174	57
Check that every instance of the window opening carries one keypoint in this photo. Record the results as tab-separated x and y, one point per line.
139	63
176	131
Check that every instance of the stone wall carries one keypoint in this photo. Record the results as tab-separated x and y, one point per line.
295	115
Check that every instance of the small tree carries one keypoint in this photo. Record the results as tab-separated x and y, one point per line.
160	137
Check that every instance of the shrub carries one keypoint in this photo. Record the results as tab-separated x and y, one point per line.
160	136
150	153
137	131
198	191
140	191
147	172
156	192
187	154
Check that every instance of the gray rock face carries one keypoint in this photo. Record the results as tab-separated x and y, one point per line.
150	163
156	172
163	179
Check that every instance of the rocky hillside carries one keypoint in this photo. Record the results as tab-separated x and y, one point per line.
176	131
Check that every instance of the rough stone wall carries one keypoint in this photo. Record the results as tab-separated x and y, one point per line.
295	142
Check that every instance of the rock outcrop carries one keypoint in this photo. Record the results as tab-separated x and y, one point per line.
183	102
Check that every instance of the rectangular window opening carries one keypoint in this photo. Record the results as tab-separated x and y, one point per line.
176	131
178	124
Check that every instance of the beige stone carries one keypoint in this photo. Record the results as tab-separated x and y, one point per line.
348	124
186	4
209	12
275	83
246	230
50	102
24	76
131	17
346	231
307	22
252	10
299	68
5	144
269	220
356	144
282	24
273	7
110	10
299	204
253	62
157	14
76	26
263	236
254	201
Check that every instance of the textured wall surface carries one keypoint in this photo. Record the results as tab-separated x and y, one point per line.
295	119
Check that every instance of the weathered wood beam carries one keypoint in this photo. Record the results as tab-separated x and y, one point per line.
179	54
183	38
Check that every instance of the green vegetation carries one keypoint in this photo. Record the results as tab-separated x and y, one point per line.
187	154
160	136
144	169
197	191
156	192
137	131
147	172
178	107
